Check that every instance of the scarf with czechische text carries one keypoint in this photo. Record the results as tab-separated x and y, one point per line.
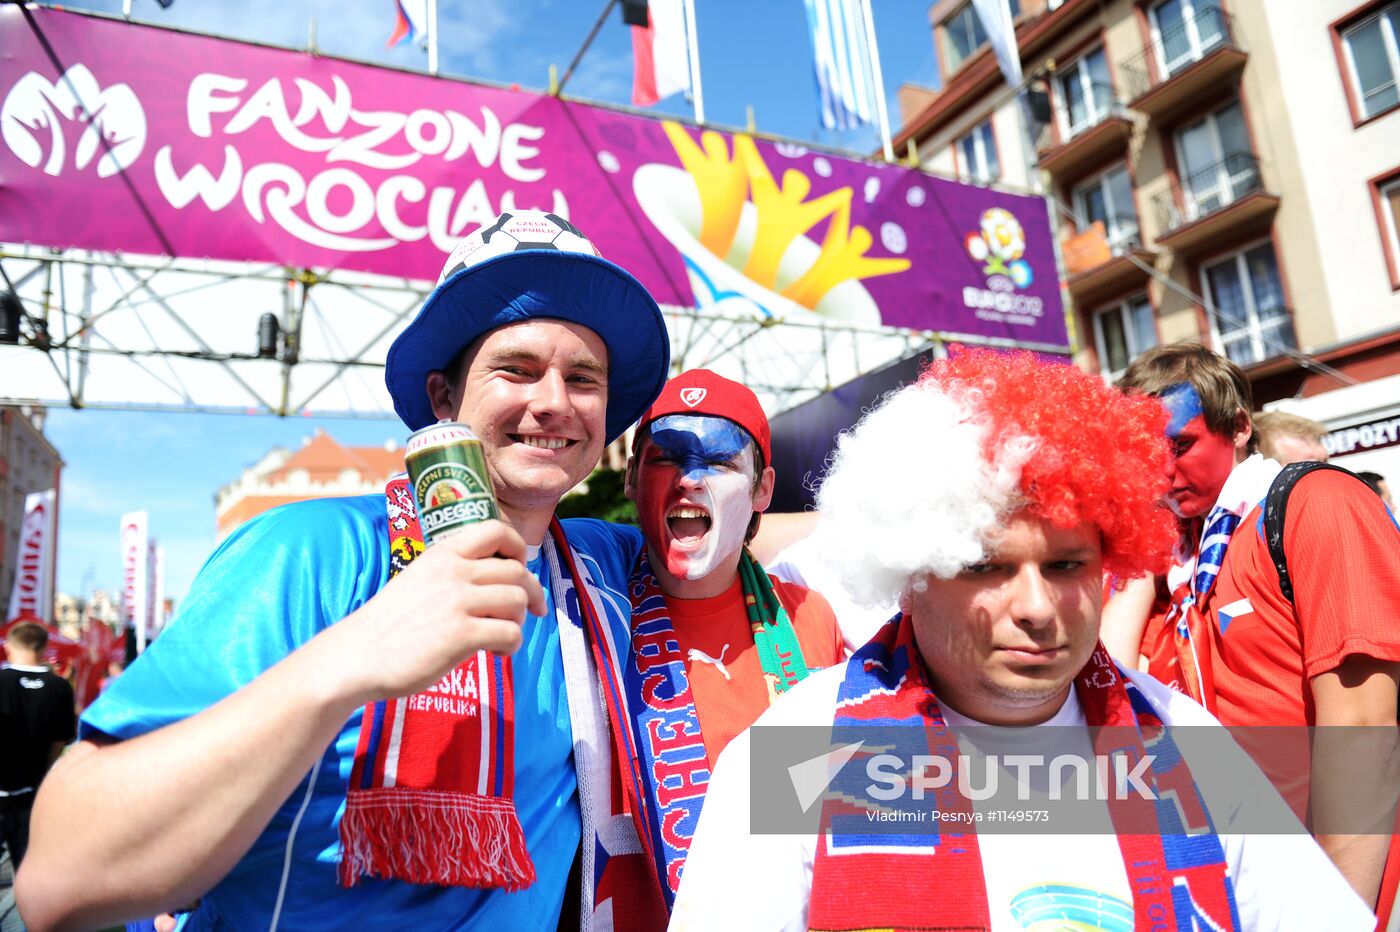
669	726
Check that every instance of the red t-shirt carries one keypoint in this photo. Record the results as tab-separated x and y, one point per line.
725	676
1343	552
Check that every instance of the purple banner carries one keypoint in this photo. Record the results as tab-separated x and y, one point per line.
150	141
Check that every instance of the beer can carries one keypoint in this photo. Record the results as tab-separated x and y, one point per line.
447	472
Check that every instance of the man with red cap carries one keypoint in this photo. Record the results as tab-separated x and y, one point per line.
714	639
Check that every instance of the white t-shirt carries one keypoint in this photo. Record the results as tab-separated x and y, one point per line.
801	563
734	880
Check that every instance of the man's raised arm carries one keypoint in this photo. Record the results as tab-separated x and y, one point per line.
133	828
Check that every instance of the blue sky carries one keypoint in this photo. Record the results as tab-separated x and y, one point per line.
752	52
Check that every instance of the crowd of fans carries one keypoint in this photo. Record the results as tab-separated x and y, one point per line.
543	724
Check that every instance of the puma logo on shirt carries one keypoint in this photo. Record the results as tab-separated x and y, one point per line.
700	655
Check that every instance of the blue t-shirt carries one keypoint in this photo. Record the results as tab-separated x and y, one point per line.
271	586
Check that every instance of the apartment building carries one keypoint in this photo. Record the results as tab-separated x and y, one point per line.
28	463
1222	170
322	468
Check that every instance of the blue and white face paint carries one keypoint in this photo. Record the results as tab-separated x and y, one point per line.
694	492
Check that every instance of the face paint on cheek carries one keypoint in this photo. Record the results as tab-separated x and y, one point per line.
696	451
1184	405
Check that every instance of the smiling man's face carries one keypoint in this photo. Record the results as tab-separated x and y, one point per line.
692	479
536	393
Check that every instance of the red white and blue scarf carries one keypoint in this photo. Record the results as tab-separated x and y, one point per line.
675	771
1196	565
925	881
430	797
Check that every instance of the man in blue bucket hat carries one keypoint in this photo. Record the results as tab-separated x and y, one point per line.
279	752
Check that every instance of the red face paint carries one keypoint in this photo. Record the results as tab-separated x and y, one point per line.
1203	459
694	493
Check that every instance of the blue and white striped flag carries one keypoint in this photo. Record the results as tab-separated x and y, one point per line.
842	58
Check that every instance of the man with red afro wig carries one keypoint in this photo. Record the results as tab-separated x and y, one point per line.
988	499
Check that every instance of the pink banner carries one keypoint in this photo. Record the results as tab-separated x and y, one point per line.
204	147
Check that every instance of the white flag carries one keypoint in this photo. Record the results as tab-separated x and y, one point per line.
135	559
1001	33
32	595
841	54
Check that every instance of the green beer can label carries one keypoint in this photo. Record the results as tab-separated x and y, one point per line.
447	470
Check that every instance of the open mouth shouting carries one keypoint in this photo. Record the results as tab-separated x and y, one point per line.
688	524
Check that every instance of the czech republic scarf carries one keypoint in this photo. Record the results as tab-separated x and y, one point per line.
904	882
1190	668
431	786
430	798
668	726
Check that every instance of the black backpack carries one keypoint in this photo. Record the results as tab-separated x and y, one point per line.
1274	505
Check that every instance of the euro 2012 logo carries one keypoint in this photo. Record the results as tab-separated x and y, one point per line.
1000	243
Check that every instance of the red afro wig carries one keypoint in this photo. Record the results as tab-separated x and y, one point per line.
1099	456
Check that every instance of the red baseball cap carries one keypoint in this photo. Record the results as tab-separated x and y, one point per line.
702	392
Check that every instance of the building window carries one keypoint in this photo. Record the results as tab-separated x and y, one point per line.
1215	162
1085	93
1373	60
977	154
1184	31
1389	200
966	35
1108	199
1122	332
1250	321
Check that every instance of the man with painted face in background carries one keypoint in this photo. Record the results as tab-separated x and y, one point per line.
714	639
1230	638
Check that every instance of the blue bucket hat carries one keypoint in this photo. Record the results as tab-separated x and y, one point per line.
531	265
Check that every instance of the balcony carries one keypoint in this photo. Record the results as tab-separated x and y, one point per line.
1221	201
1102	264
1190	61
1101	129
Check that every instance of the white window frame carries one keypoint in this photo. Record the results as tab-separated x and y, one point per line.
1098	109
1118	237
1254	326
1391	233
1124	311
1197	50
979	146
1224	186
963	10
1392	53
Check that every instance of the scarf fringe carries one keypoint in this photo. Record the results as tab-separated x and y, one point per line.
429	836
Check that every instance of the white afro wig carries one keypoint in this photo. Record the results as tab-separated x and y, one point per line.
908	492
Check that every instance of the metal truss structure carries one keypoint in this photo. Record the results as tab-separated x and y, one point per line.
115	331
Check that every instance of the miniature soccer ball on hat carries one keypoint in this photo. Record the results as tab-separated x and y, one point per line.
528	229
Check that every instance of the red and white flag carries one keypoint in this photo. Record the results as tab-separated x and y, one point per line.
32	595
660	55
135	570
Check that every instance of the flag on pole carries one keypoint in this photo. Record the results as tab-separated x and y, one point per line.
661	63
841	53
998	23
135	569
31	597
412	22
155	587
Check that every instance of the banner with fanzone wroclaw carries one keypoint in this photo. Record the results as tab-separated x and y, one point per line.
135	138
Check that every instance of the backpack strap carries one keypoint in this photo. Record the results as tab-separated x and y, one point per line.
1275	504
